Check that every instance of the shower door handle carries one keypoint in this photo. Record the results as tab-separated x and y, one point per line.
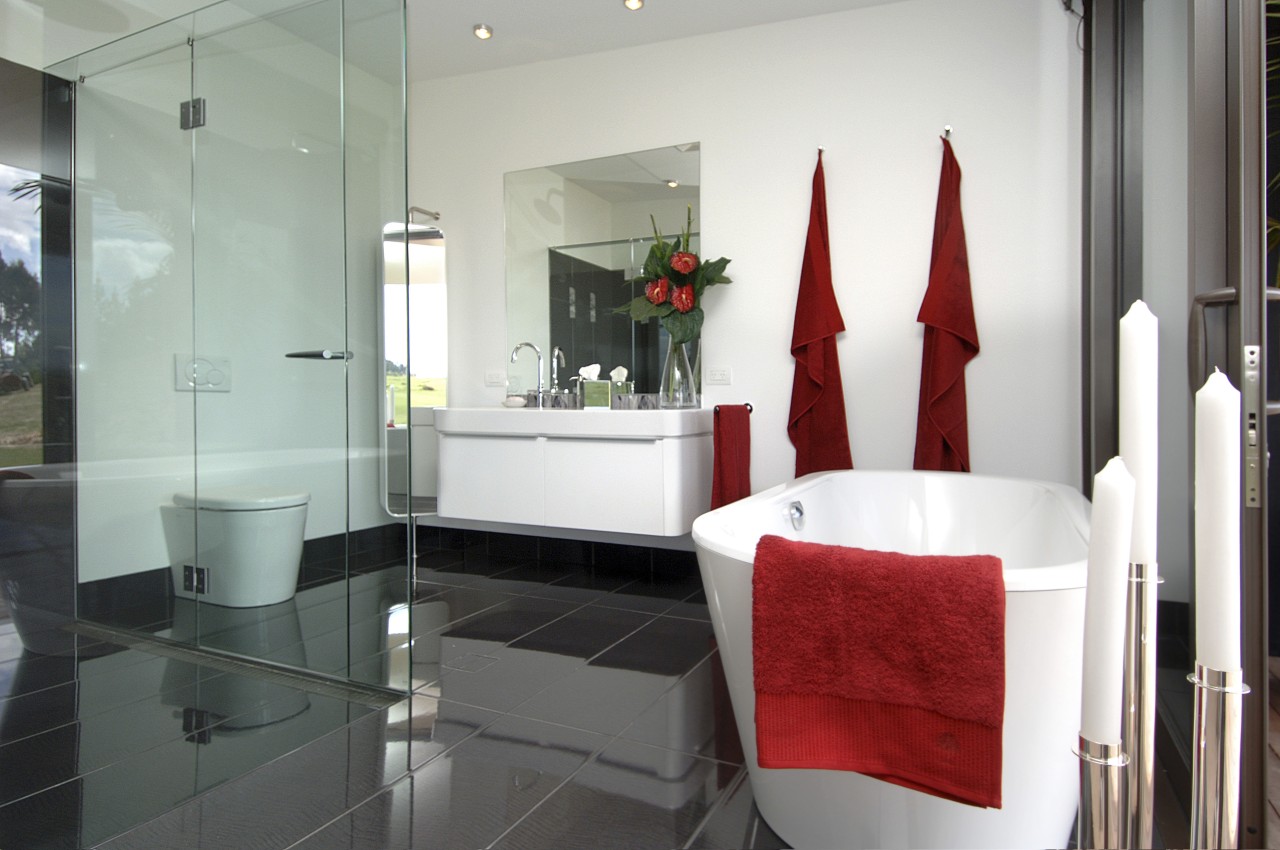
1197	356
322	354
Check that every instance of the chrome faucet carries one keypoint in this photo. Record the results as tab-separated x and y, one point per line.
538	352
557	355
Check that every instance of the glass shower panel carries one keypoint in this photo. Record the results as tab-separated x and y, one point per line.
270	322
133	305
234	170
376	167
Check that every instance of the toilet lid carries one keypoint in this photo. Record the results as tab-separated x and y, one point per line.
241	499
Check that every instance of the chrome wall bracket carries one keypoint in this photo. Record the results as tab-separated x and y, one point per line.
191	113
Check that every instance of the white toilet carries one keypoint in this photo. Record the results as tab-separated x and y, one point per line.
250	544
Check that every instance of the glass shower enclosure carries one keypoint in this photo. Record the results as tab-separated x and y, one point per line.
233	171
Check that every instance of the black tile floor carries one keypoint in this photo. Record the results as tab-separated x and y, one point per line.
554	706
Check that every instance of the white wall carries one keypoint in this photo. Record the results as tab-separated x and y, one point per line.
875	87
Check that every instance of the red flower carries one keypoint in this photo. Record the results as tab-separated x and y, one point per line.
684	262
682	298
656	290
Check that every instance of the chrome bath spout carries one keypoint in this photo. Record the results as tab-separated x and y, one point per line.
515	351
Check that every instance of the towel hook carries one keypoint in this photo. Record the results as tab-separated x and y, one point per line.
747	405
946	131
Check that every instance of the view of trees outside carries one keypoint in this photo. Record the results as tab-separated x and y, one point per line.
20	344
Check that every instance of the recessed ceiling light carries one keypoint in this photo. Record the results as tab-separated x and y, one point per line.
633	4
482	31
673	183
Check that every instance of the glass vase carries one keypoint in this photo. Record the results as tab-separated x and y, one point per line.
677	389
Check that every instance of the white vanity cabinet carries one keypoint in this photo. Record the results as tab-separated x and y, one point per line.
632	471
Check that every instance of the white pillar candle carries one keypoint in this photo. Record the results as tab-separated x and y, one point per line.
1139	377
1217	524
1106	595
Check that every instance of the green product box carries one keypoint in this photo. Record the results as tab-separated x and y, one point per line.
595	394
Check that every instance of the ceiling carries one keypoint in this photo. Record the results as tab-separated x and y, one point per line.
441	43
440	39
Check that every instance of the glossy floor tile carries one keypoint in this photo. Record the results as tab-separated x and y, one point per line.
554	705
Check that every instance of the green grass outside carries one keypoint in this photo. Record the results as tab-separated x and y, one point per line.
424	392
22	427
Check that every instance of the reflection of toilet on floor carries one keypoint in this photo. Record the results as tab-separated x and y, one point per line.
249	541
235	701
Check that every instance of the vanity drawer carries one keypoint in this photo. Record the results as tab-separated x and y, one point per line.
492	478
605	485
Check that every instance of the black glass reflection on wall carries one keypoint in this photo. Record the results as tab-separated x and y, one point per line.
37	425
583	296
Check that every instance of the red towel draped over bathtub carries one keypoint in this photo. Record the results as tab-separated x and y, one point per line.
885	664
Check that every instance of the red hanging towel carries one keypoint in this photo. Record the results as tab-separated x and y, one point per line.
950	334
816	423
731	453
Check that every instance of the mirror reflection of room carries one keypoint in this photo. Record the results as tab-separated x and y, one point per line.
415	357
577	236
415	312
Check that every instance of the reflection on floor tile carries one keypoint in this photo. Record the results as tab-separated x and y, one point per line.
630	796
555	704
666	646
585	585
736	823
382	822
471	795
691	717
529	577
651	597
583	633
278	804
429	726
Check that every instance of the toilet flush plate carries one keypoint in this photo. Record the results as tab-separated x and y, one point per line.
201	373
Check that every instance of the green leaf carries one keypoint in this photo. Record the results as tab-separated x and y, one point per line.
714	270
684	327
642	309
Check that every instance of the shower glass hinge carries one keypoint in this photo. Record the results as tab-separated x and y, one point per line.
191	113
195	579
195	725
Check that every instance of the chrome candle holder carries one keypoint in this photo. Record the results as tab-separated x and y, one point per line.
1138	734
1102	819
1215	758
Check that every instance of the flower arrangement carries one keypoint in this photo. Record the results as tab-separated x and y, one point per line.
674	280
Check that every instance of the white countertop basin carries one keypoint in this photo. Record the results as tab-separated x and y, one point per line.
531	422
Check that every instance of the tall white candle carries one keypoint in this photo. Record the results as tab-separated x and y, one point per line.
1217	524
1139	377
1106	595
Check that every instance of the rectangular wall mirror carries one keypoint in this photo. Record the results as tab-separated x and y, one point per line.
577	234
415	359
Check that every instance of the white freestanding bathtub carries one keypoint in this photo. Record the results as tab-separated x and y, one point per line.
1040	531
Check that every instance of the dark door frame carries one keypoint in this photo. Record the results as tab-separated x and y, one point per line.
1226	249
